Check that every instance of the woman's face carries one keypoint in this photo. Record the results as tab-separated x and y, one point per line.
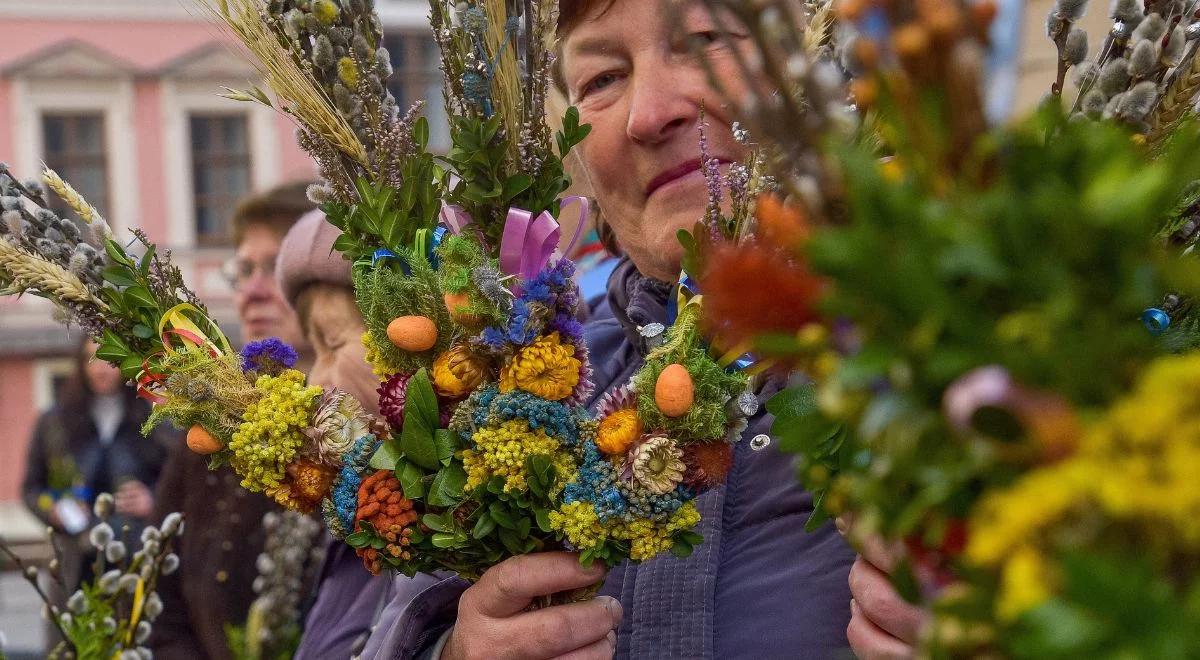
102	377
636	79
334	328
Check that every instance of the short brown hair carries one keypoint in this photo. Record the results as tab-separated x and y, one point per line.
276	209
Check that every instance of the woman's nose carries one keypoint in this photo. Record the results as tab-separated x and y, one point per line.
661	105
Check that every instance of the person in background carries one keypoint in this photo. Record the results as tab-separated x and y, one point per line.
87	444
316	282
213	586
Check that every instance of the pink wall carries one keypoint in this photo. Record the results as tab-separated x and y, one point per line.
151	158
17	420
7	121
143	45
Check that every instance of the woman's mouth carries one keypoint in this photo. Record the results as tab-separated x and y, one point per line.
679	172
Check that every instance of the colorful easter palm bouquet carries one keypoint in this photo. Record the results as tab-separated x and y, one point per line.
998	322
487	450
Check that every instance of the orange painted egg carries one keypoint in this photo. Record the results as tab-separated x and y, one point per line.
412	333
202	442
674	391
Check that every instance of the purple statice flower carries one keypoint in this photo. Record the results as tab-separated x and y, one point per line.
569	329
271	355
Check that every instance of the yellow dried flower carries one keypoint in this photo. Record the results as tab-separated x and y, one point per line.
546	368
458	371
272	430
374	357
578	522
619	431
1024	584
502	451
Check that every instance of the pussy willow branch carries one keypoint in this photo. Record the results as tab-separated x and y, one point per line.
38	588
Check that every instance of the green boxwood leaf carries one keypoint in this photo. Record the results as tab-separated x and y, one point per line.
118	276
411	479
447	487
420	420
140	296
543	519
438	522
359	539
501	516
443	540
385	457
484	526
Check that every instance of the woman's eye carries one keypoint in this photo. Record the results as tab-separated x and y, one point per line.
704	38
598	83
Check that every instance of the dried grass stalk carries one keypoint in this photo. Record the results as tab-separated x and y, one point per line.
68	194
1178	98
30	272
301	95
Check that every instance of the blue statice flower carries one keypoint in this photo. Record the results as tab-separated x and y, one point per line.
345	488
553	417
269	355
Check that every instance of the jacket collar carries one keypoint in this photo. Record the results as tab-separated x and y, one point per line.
637	301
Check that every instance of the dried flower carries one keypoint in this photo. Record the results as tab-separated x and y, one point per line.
338	421
458	371
269	356
707	464
381	502
657	464
618	431
546	368
392	397
742	289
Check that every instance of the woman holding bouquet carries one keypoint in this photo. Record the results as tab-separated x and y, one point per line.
759	586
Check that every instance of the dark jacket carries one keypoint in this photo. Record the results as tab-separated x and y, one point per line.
222	539
66	457
758	587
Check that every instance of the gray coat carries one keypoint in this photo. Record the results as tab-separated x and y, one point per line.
758	587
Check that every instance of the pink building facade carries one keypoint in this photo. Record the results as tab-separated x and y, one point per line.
121	96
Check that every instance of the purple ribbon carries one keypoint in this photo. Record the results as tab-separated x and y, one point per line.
529	242
454	218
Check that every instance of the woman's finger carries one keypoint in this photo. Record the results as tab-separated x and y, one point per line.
561	629
510	586
870	642
877	598
599	650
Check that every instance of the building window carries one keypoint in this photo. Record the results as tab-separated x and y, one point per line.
416	76
220	172
73	146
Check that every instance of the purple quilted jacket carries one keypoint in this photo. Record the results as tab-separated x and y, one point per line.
758	587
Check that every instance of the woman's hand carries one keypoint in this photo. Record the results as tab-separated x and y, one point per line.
883	626
134	499
492	621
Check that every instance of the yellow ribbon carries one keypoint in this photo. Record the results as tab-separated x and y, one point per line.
178	321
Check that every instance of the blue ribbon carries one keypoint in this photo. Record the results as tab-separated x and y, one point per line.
692	287
1156	321
439	234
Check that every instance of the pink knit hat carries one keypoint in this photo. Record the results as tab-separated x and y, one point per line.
306	257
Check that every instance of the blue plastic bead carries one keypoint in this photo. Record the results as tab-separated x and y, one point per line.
1156	320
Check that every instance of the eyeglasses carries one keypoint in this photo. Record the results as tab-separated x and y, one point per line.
239	271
